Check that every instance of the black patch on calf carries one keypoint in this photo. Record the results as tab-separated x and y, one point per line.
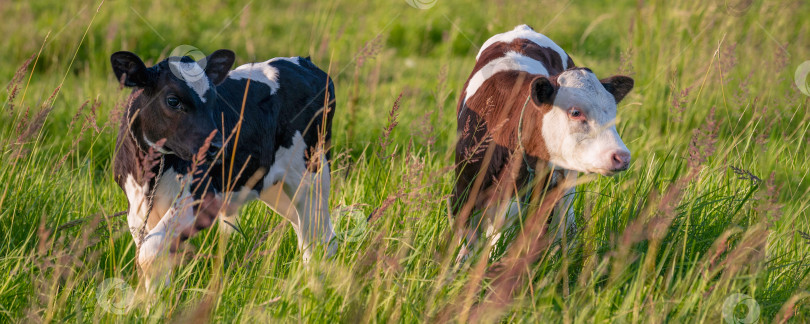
271	121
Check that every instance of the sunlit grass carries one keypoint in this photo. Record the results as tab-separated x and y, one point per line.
715	202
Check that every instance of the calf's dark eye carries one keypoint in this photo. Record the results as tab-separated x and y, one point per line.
173	102
576	113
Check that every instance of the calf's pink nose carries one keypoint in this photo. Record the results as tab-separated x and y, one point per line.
621	160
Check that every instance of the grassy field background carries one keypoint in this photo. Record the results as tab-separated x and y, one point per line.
714	204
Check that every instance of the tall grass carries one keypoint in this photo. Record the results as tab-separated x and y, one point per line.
715	202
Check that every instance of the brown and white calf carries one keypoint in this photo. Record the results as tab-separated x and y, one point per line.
277	155
526	107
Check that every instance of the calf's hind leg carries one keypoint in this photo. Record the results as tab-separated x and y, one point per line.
302	197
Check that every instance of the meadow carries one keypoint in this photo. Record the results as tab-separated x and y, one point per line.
709	224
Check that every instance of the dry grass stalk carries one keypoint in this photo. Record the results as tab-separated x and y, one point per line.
26	129
385	138
366	53
788	309
13	87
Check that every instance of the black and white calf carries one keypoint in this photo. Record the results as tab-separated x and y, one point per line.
533	109
278	154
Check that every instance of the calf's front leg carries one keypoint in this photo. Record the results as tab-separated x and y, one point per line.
175	216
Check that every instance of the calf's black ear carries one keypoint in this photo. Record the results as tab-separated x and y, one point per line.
129	69
543	91
218	64
618	85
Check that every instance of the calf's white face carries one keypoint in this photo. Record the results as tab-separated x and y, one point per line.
579	130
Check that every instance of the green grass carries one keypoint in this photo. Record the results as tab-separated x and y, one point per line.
671	239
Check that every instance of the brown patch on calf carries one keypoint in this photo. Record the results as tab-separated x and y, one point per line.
494	113
496	109
508	93
549	57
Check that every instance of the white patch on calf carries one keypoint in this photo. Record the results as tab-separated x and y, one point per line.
261	72
525	32
289	164
138	208
194	76
293	60
511	61
570	148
